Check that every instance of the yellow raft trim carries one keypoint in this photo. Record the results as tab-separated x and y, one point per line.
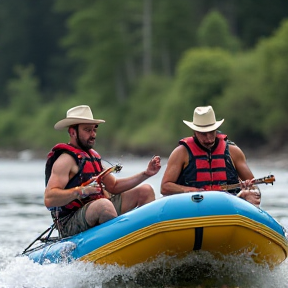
176	231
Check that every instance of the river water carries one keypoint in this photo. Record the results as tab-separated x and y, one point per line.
23	218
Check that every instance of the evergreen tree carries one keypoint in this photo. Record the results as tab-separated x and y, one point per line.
214	32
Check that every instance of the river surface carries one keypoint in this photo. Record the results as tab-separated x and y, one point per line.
23	218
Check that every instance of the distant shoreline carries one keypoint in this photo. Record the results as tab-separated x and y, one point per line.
263	157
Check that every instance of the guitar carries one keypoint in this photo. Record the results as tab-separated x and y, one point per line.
270	179
93	181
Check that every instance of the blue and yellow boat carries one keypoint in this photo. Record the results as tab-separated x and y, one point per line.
176	225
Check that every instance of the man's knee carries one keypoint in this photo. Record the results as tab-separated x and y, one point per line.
147	193
100	211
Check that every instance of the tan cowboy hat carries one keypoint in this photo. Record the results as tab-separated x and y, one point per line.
204	120
77	115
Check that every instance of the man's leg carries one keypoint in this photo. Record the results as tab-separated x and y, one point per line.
77	223
137	197
100	211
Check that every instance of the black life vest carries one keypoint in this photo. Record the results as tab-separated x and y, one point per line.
208	169
89	164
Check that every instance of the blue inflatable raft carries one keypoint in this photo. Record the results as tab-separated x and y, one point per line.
176	225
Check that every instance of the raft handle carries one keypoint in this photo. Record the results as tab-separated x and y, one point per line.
197	198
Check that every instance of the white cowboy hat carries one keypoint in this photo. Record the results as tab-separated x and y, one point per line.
204	120
77	115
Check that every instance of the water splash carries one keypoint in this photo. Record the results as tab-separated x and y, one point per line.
197	270
203	270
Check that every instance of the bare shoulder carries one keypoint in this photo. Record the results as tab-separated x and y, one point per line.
177	161
236	153
178	158
240	163
66	158
64	162
180	152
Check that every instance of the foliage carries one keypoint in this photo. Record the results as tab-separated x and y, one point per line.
255	102
240	102
262	19
47	137
136	64
24	97
30	31
9	129
170	19
23	91
273	55
9	43
104	51
141	114
214	32
201	77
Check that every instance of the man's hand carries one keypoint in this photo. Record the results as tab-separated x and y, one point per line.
252	195
91	189
154	166
247	184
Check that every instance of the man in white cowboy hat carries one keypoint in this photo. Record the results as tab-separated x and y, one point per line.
207	160
76	207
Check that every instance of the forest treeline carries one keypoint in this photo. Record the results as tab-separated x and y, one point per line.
143	66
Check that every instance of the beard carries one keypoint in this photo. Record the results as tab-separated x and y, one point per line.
208	145
85	145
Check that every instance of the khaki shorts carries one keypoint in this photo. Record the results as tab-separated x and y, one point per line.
77	223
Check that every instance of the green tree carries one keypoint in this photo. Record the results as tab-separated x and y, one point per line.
25	99
140	117
257	20
202	76
23	91
240	103
214	32
30	32
10	44
174	29
103	37
273	61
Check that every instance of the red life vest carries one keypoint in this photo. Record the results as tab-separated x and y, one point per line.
208	169
89	164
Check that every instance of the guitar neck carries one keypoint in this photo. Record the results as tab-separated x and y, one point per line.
101	175
269	179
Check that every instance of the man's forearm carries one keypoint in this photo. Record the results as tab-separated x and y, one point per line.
124	184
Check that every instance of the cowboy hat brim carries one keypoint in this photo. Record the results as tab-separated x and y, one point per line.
207	128
74	121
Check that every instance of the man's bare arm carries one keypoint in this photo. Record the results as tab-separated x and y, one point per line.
55	194
240	163
115	186
250	194
177	161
